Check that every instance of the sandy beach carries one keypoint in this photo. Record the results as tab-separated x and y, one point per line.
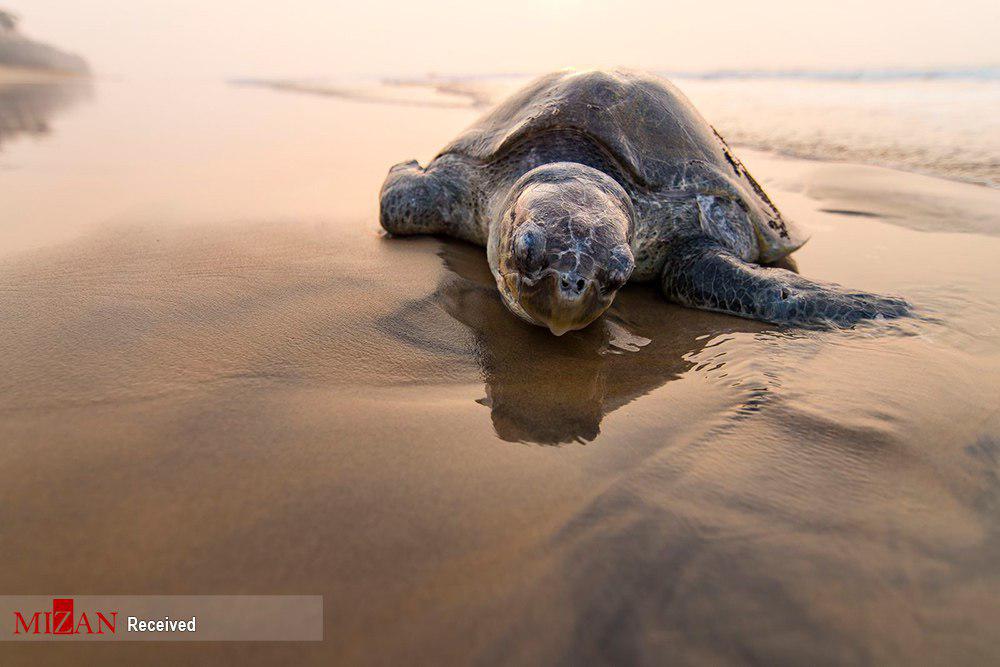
218	376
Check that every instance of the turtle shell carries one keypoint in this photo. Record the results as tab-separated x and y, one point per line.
657	136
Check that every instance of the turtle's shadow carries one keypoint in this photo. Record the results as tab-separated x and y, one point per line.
550	390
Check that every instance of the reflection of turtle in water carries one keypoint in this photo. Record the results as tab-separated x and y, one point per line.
583	180
547	390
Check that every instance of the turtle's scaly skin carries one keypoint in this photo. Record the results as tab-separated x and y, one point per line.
595	177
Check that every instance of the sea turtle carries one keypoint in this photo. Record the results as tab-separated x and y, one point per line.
583	180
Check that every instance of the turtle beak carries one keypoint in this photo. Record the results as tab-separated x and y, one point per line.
563	301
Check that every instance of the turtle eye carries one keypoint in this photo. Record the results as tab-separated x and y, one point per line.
618	270
529	249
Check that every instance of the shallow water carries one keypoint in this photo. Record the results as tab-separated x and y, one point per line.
216	376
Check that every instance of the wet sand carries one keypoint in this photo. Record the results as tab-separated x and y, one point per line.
216	376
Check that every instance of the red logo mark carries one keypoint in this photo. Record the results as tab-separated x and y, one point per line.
60	621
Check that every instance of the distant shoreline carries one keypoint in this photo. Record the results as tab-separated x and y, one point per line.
12	75
858	119
18	51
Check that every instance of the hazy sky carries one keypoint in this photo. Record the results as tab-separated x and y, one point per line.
322	38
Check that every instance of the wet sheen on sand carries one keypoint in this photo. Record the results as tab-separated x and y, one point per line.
216	376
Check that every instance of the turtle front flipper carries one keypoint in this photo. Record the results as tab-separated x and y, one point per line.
702	274
437	200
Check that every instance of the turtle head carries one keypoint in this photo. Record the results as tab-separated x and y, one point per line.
561	248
